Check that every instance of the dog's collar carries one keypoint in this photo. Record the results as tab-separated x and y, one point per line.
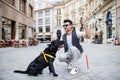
45	54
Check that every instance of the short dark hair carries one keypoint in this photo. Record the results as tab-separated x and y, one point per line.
68	20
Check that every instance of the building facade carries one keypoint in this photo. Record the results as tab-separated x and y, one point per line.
43	20
102	17
118	20
58	17
68	9
16	19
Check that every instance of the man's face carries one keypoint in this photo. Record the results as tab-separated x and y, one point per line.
67	26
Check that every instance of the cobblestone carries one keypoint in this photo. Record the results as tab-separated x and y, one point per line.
103	59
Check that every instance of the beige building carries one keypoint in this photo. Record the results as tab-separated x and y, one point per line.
16	19
118	20
68	9
43	20
58	11
102	17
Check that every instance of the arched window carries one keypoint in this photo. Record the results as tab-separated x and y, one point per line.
109	24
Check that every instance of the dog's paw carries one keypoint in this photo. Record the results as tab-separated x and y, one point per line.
55	75
35	75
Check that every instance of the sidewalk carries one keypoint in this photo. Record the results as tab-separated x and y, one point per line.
104	63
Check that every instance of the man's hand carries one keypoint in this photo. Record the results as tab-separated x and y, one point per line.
58	49
87	32
82	23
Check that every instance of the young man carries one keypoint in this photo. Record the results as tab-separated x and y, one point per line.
73	50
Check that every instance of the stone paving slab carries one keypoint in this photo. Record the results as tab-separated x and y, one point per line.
104	63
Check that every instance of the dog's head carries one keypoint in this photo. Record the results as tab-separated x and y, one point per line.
54	45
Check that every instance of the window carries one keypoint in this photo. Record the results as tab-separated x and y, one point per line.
35	7
40	14
35	15
22	5
6	28
40	6
47	20
47	12
35	22
10	1
58	11
40	29
40	21
47	28
30	11
58	22
73	6
22	31
67	9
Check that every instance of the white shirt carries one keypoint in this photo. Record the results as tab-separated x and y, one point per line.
69	38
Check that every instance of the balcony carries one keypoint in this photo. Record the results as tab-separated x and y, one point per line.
57	16
66	14
106	2
81	8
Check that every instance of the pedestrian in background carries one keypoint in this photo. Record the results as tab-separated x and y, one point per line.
58	33
73	50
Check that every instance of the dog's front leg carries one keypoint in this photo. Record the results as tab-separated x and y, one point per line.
51	68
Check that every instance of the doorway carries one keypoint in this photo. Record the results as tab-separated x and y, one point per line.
109	25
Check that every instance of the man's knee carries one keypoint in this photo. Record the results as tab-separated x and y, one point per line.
60	59
75	52
63	58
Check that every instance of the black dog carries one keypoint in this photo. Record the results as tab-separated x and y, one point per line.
45	59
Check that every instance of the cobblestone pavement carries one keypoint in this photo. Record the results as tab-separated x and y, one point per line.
104	63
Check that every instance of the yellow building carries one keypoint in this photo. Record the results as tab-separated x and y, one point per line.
68	9
58	11
16	19
102	19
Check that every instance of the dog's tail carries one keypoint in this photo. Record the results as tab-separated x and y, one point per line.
18	71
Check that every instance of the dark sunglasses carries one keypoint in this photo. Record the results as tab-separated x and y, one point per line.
66	25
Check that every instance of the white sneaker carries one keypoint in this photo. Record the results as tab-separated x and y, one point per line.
70	66
74	71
